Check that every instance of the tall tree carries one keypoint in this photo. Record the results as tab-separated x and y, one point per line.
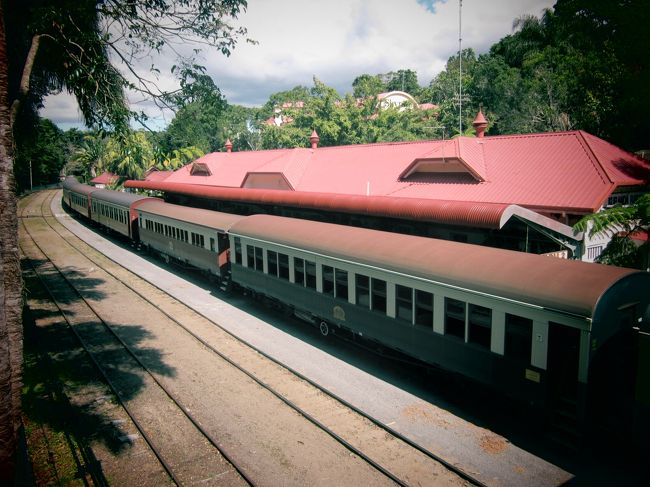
366	85
40	155
47	46
402	80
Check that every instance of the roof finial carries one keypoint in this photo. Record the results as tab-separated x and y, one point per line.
314	139
480	123
228	145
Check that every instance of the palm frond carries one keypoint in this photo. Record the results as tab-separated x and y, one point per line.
611	220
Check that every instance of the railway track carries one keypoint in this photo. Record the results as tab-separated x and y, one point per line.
180	470
396	458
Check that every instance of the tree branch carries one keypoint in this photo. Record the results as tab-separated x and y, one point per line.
23	89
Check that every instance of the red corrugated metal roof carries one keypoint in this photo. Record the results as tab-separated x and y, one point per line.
483	215
105	178
557	172
158	175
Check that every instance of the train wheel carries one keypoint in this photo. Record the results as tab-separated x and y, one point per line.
324	328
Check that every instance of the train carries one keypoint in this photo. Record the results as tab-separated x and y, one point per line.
568	337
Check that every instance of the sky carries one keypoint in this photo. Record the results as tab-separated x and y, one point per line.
334	41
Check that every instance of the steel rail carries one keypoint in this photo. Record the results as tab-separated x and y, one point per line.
149	441
453	468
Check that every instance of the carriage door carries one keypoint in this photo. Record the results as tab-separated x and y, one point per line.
564	403
613	376
223	248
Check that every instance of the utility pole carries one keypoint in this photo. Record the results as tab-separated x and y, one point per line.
460	69
31	186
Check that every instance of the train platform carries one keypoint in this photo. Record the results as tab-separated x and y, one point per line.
476	450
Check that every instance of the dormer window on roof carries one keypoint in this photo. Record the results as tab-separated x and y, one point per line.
440	170
266	180
200	169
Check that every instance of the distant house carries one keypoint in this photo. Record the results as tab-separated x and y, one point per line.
402	101
392	99
522	192
104	179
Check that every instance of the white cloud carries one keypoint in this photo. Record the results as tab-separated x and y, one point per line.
338	40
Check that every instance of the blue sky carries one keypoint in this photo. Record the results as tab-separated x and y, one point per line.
335	41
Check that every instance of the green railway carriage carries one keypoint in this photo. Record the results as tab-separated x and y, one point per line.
188	235
116	210
534	326
77	196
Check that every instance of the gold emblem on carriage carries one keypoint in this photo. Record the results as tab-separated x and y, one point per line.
338	313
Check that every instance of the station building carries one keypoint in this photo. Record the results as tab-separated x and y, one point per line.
522	192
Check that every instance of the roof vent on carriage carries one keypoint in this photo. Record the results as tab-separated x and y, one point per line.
228	145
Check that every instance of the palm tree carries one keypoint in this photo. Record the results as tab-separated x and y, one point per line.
178	158
10	280
623	223
90	158
64	44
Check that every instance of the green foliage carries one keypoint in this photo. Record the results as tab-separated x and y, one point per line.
44	150
89	158
366	86
129	155
207	126
621	222
402	80
297	93
343	121
622	251
72	46
177	158
581	65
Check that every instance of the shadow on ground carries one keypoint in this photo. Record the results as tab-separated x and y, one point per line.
67	405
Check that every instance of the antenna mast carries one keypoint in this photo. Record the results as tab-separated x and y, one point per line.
460	68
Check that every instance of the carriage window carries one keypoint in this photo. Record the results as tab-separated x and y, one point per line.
310	274
212	247
424	309
363	290
519	337
259	259
283	266
480	325
272	258
341	277
328	280
299	270
238	250
378	294
250	257
455	318
404	303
